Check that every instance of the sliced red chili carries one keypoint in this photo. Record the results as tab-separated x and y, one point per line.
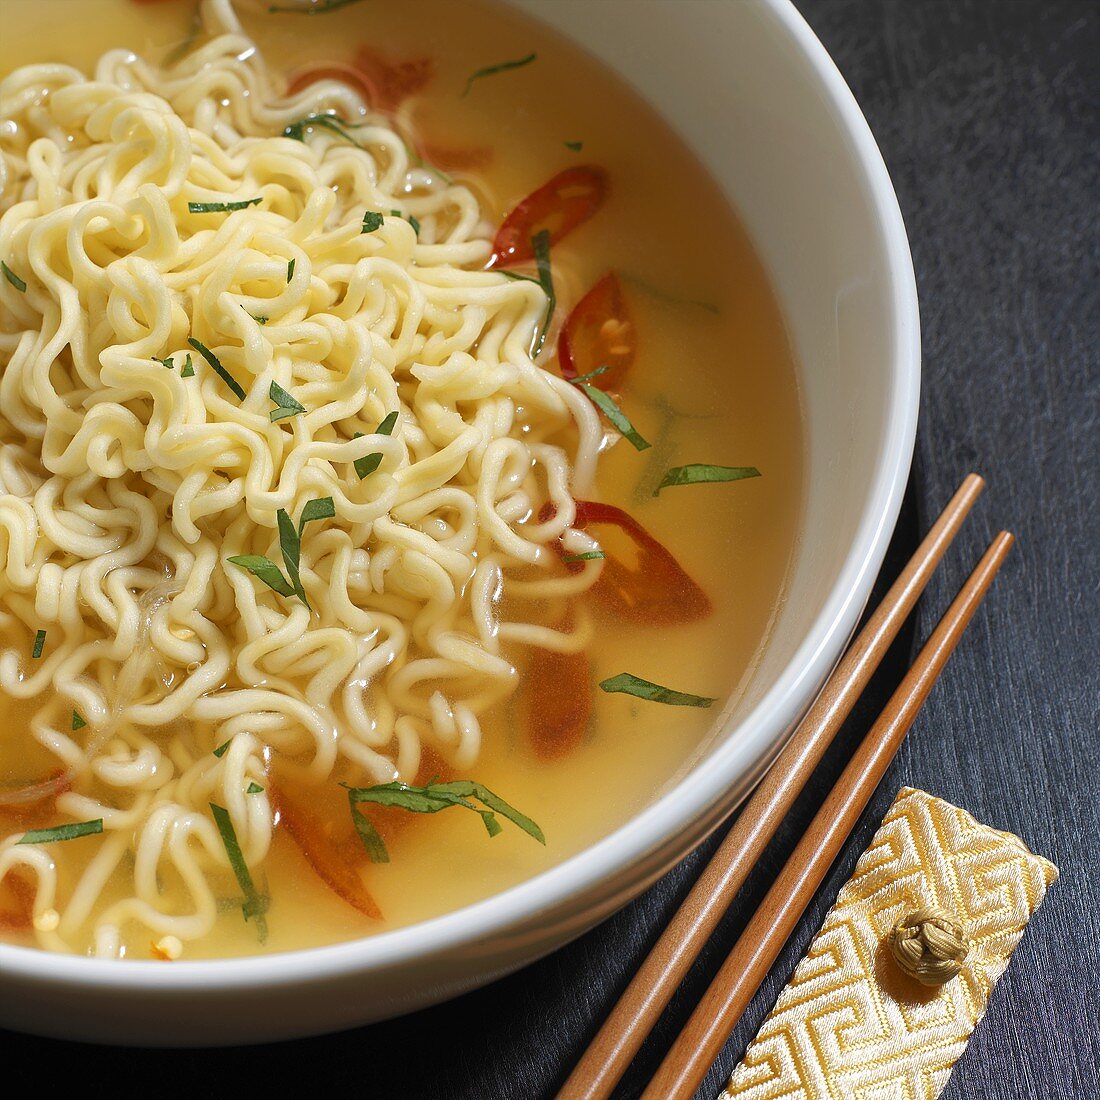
334	70
393	81
381	82
19	916
640	581
599	332
34	803
319	822
556	702
568	200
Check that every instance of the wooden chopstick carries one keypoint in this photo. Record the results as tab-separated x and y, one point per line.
695	1049
645	998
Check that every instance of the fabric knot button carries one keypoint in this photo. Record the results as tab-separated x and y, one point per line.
929	945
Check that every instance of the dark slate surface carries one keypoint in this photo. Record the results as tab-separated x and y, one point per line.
986	113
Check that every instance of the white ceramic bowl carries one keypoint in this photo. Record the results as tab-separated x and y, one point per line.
755	94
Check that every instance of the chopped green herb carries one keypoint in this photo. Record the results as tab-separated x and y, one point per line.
431	799
321	8
613	413
266	570
13	278
629	684
188	368
39	642
78	722
215	362
290	543
296	131
261	320
372	221
581	378
223	748
409	218
254	905
698	473
576	146
287	405
540	244
254	788
368	834
502	67
222	207
290	270
62	832
164	362
320	508
366	465
588	555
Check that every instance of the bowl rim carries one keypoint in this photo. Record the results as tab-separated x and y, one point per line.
758	731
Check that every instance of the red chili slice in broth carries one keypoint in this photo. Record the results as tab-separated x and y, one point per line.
566	201
599	332
653	589
334	70
384	84
319	822
557	702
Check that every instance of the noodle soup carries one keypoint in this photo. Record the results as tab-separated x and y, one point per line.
400	465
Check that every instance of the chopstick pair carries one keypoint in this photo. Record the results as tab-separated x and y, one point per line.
648	993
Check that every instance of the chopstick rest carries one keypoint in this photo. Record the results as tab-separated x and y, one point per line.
901	972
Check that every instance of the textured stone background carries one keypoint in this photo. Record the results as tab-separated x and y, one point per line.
986	111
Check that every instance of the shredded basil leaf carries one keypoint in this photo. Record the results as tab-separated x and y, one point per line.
502	67
576	146
215	362
517	275
265	570
372	221
188	368
39	642
629	684
366	465
254	788
78	722
588	555
223	748
13	278
62	832
540	245
254	905
296	131
222	207
164	362
431	799
699	473
589	376
289	270
290	543
368	834
322	8
613	413
287	405
320	508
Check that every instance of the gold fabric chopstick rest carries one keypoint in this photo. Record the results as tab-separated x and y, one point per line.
942	895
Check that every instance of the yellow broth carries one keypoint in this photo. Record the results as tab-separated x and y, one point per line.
714	381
